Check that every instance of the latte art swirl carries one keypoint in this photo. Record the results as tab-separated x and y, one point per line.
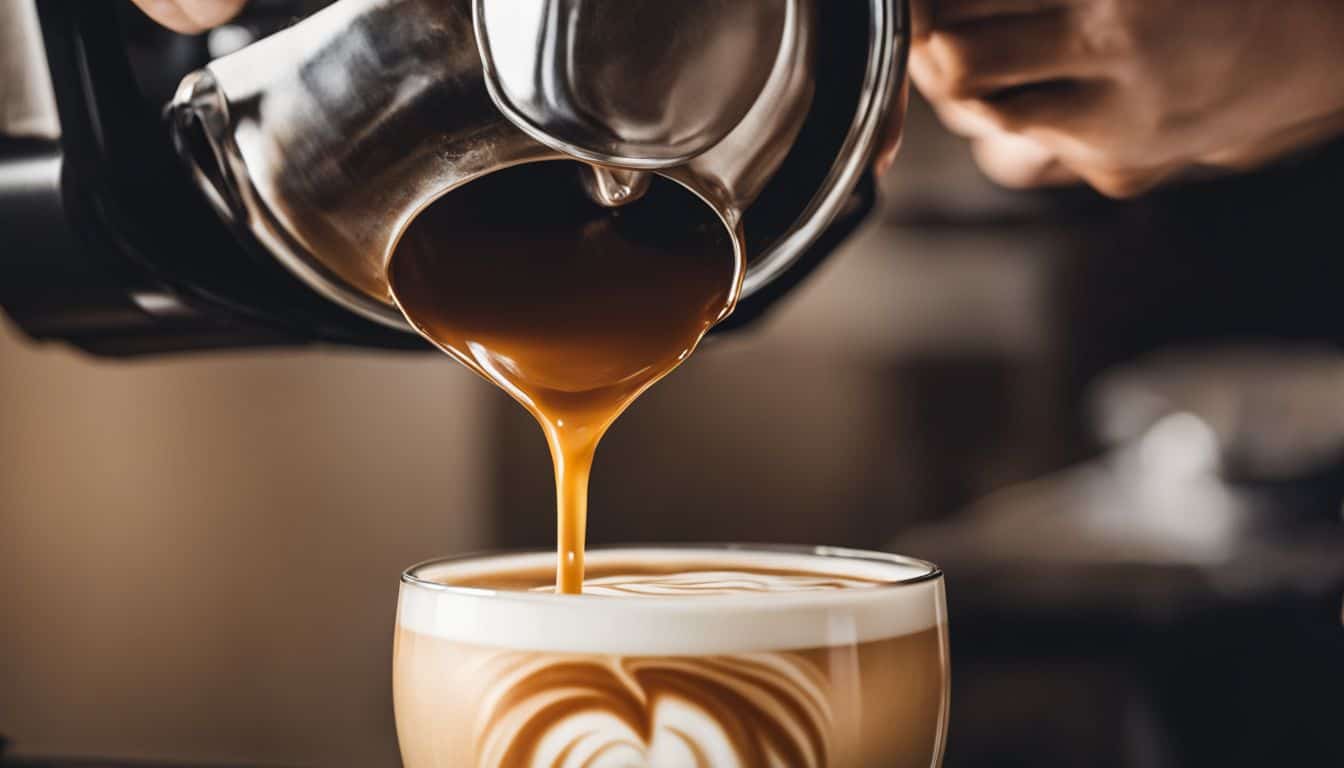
703	583
768	710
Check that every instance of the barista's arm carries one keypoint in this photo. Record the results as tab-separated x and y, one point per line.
1125	94
191	16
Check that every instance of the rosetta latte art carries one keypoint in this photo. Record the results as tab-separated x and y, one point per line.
768	710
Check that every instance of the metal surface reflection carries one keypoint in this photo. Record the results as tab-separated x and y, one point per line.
640	84
326	139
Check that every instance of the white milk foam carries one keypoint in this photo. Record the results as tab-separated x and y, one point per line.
717	606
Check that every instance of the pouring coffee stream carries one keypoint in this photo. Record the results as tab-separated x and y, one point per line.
574	313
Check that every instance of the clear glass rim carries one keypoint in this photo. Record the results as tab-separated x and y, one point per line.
412	577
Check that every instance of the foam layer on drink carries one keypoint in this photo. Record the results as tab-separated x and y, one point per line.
674	602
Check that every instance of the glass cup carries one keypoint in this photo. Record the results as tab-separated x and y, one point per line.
710	656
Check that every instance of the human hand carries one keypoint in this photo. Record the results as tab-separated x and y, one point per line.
1124	94
190	16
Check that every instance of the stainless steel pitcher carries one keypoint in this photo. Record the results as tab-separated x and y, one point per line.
324	141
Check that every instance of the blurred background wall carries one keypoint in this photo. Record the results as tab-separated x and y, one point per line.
199	556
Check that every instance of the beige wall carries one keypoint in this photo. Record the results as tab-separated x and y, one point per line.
199	557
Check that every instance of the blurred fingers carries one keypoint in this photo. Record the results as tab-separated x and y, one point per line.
1018	162
1014	150
1022	163
1245	157
191	16
1061	111
965	119
946	13
1126	183
975	60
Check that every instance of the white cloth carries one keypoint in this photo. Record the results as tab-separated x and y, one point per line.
27	103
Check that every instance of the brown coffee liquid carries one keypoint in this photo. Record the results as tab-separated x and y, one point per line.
572	309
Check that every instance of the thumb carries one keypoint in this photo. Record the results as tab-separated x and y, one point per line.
191	16
1020	163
